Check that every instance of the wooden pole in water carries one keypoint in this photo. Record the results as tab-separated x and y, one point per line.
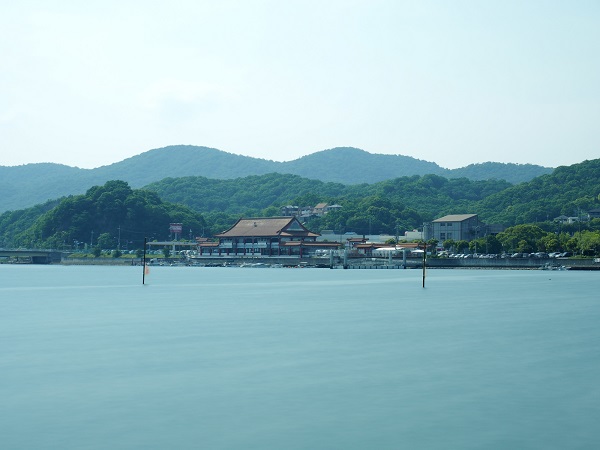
424	258
144	263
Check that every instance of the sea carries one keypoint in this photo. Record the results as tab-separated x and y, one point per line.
284	358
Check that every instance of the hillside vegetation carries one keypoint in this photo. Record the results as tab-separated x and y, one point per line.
101	216
31	184
569	191
207	206
404	202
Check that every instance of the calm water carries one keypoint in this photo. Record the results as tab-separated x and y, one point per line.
225	358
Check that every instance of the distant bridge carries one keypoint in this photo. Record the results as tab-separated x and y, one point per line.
28	256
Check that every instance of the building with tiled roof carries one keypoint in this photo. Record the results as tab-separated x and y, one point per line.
270	236
320	209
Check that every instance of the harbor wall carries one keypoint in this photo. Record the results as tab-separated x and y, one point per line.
356	263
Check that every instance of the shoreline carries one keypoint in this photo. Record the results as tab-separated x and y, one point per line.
590	264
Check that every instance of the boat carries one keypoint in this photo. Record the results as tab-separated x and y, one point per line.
549	266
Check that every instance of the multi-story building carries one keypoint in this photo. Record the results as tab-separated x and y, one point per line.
457	227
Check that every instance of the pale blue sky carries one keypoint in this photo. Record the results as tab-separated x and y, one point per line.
454	82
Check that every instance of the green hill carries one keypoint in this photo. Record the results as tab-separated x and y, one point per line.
109	212
207	206
513	173
568	190
31	184
406	200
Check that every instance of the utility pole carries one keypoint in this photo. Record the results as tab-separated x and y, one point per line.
119	241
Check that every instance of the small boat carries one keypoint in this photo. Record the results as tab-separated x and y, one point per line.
549	266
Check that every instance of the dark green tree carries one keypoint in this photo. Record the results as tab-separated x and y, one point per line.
449	244
521	238
461	246
106	241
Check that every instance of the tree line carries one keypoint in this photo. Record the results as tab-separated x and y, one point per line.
109	216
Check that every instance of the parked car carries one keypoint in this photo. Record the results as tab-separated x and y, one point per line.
539	255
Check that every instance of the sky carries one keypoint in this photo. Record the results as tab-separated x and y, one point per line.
91	83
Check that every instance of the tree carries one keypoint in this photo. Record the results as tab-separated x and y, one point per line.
549	243
432	243
106	241
114	206
166	252
449	244
492	244
524	246
96	251
588	242
522	238
477	245
461	246
116	253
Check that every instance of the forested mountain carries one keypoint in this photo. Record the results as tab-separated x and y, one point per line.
352	166
207	206
405	202
100	216
31	184
27	185
249	195
569	191
513	173
349	165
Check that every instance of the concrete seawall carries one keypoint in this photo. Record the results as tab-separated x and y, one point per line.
514	263
99	262
362	263
500	263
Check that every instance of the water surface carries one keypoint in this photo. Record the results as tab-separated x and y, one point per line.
232	358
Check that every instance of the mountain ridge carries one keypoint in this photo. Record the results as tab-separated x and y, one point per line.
35	183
